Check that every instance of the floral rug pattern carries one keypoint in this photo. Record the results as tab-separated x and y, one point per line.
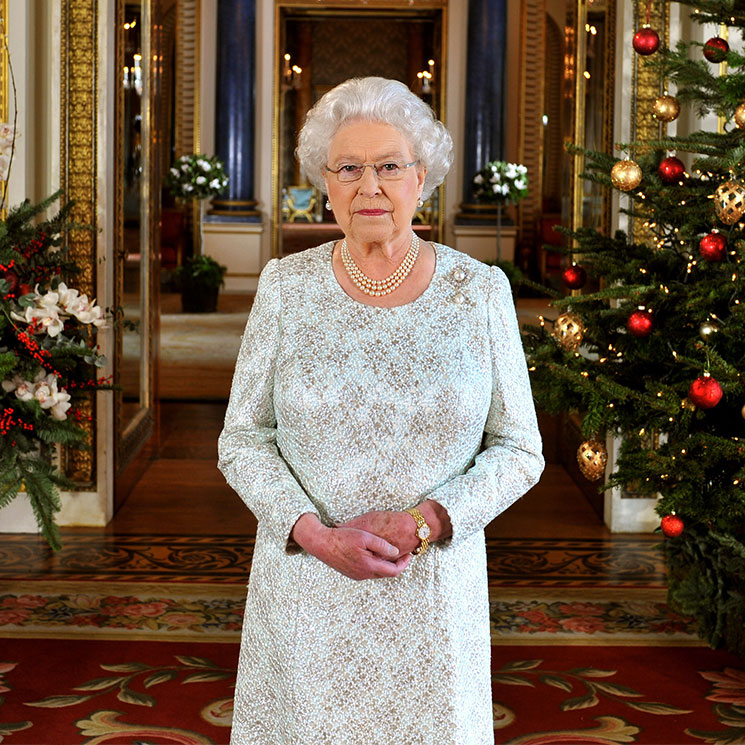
216	612
635	617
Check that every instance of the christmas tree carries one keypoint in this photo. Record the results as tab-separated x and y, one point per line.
655	355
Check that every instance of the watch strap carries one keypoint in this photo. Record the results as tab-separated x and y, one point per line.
423	531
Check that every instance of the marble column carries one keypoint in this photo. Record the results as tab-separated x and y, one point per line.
484	125
235	107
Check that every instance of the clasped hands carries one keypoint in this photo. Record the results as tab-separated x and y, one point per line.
373	545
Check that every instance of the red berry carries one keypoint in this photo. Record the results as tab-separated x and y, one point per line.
574	277
640	323
712	247
705	392
672	526
646	41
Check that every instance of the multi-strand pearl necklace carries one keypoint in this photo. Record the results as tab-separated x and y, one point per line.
385	286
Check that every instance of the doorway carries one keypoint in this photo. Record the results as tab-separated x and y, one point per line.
320	48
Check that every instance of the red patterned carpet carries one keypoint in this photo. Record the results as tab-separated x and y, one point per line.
133	640
77	692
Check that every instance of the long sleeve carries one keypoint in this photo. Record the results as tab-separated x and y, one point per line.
248	454
510	462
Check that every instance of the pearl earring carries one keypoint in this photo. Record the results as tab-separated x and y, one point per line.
420	203
328	205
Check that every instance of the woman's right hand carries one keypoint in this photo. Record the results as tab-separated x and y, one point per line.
353	552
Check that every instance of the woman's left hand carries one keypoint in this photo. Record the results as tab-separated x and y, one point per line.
398	528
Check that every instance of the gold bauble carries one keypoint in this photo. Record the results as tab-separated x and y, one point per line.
592	458
666	108
568	331
742	411
707	329
626	175
740	116
729	202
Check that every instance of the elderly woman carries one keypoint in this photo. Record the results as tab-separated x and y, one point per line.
380	417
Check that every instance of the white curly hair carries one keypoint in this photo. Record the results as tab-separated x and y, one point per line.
376	100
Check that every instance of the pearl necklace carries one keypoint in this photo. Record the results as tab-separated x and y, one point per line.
385	286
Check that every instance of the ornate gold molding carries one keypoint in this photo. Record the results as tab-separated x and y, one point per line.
646	86
78	175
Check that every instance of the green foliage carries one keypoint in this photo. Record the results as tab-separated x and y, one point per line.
637	388
201	270
707	581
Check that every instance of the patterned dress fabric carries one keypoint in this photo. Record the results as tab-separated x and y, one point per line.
338	408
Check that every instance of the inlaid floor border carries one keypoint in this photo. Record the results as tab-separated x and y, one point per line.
620	561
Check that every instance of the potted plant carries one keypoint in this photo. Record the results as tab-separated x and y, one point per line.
200	278
500	183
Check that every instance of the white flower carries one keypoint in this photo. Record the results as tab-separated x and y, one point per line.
205	166
495	179
505	189
87	311
174	171
46	318
185	167
522	170
215	183
188	187
520	184
45	393
68	297
23	389
495	188
59	410
201	180
478	179
511	172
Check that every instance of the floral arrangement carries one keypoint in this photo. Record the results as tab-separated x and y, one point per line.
48	357
196	177
499	182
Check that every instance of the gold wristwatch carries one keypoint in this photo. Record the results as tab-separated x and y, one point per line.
423	531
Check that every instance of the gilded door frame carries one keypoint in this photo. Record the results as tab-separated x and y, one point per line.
132	436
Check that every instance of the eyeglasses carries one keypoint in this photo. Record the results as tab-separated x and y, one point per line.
384	171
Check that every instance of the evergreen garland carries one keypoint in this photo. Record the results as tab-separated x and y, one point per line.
48	357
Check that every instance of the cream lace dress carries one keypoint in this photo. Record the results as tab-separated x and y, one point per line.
338	408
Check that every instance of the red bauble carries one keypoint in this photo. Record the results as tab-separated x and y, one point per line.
671	170
24	289
574	277
640	323
646	41
672	526
705	392
712	247
715	50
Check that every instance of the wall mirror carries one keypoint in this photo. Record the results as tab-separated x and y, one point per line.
136	214
320	48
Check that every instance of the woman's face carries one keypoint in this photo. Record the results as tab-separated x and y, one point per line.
372	210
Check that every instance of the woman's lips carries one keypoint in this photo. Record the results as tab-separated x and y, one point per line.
371	213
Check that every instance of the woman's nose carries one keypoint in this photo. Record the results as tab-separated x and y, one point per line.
369	185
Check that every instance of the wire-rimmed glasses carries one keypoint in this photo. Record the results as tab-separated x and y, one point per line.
386	171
